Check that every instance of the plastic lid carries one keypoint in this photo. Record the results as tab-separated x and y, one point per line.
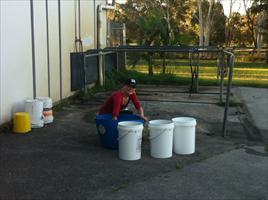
184	121
161	123
129	124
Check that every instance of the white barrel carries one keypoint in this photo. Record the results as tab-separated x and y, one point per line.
161	138
129	140
47	109
35	109
184	135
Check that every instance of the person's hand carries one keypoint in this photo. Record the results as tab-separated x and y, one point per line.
114	118
145	118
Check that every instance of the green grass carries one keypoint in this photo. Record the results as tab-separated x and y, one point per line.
178	71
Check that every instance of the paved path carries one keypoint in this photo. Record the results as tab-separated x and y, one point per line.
238	174
64	160
255	101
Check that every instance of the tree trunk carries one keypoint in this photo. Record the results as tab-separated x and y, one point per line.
208	24
250	23
228	28
201	25
260	30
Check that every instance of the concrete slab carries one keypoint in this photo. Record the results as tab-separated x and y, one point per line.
255	101
65	160
227	176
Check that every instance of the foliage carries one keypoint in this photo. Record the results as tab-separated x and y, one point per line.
171	14
175	22
218	24
259	6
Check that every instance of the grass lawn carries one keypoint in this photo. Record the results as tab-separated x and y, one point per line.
253	74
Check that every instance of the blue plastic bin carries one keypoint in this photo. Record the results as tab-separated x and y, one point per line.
107	128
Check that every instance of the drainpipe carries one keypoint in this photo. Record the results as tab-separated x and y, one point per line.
100	44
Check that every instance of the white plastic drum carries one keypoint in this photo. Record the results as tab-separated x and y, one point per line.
47	109
161	138
129	140
184	135
35	109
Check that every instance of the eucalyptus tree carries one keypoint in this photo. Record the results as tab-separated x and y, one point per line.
153	23
260	7
229	27
210	17
251	21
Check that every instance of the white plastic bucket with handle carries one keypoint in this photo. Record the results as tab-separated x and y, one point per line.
184	135
47	109
35	109
129	140
161	138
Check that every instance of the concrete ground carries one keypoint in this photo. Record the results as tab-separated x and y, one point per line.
65	160
256	106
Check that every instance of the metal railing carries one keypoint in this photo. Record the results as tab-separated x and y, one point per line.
192	51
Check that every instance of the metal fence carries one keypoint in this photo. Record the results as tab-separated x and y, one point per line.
86	66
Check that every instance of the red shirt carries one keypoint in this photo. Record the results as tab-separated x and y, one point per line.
114	103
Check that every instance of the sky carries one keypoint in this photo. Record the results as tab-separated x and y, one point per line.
238	6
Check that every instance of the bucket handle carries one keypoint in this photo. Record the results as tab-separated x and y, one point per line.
119	138
152	138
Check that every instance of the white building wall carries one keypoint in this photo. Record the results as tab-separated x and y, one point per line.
16	57
53	26
87	19
67	43
16	69
40	36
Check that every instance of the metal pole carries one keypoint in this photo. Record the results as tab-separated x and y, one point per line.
221	67
33	49
197	71
117	62
48	53
103	66
60	53
228	94
85	79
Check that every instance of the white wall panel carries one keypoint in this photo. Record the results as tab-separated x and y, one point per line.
16	77
16	57
67	41
53	26
87	24
40	35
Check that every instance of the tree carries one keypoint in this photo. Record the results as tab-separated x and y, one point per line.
154	31
211	20
208	23
228	28
260	7
251	22
153	23
218	25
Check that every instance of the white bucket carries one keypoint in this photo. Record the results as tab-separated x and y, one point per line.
47	109
161	137
35	109
184	135
129	140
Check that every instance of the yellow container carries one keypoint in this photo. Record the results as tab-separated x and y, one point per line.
21	122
